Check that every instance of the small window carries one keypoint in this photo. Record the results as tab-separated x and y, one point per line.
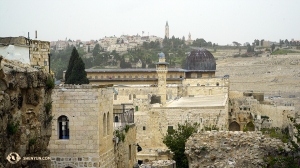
171	76
115	96
144	128
45	63
136	77
217	84
116	119
200	120
153	76
124	76
136	108
63	127
240	108
142	76
129	96
119	77
148	77
245	108
101	77
130	77
170	127
96	77
134	96
129	152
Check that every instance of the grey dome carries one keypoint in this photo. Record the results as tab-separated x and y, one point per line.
200	59
161	55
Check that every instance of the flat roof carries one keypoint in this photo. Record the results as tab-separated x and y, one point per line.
200	101
145	70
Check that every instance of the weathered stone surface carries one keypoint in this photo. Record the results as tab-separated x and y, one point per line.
22	99
231	149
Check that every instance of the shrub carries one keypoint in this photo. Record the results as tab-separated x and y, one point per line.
12	127
32	141
126	128
50	83
48	107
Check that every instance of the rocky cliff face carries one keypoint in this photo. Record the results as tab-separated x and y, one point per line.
25	113
232	149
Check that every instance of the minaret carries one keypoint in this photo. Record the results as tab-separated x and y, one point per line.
167	30
190	37
162	70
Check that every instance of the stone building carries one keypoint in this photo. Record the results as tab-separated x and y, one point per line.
249	111
28	51
199	96
83	132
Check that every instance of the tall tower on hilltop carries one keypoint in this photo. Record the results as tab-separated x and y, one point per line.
167	30
162	70
190	37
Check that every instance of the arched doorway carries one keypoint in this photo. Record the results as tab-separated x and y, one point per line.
234	126
250	126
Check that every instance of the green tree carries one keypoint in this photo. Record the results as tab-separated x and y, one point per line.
78	74
73	58
96	50
273	47
175	141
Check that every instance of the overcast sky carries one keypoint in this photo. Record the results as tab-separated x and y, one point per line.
218	21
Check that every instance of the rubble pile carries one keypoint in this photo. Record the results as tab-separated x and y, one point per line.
231	149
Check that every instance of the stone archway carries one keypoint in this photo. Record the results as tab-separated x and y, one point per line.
234	126
250	126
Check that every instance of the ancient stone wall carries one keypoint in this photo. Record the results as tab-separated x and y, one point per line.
153	125
246	111
89	110
231	149
125	151
25	116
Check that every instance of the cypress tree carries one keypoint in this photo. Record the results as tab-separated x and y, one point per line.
73	58
78	74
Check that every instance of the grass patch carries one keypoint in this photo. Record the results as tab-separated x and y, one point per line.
283	52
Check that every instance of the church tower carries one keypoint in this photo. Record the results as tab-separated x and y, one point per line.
167	30
162	70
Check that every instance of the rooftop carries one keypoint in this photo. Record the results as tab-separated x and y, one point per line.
200	101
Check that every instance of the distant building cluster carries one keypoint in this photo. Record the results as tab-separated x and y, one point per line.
108	44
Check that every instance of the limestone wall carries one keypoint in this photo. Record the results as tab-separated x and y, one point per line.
90	113
231	149
278	114
25	124
153	125
243	110
125	151
206	82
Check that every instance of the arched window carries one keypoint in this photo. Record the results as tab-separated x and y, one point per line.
134	96
63	127
104	124
129	96
217	83
116	119
108	123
